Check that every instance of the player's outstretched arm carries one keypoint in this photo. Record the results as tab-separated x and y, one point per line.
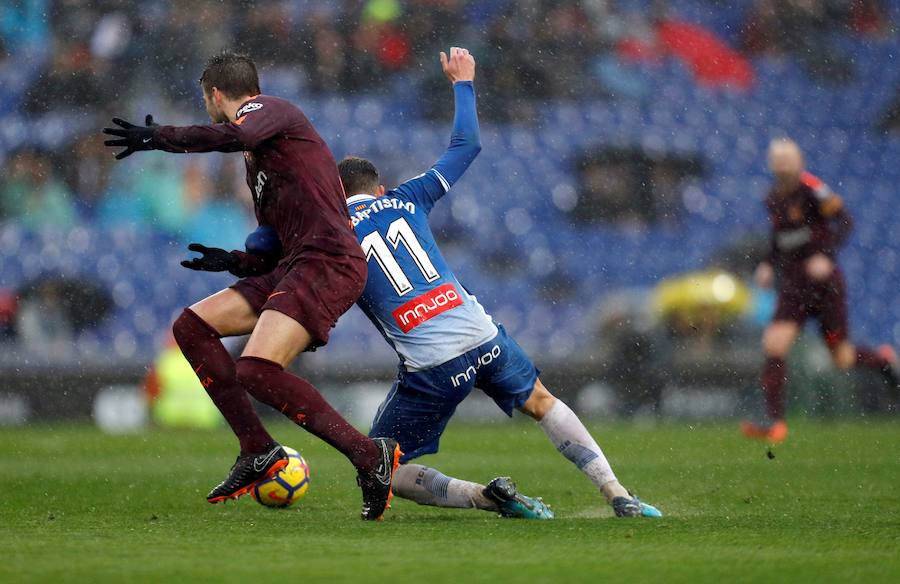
465	140
252	126
234	136
134	138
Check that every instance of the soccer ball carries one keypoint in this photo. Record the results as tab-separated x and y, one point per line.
287	486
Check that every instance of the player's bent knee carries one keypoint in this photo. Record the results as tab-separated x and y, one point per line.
186	324
227	312
772	346
277	338
843	364
539	402
180	327
774	350
778	339
843	356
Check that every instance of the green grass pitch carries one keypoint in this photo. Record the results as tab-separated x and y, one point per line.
79	506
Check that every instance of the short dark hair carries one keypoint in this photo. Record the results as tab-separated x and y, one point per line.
232	73
358	175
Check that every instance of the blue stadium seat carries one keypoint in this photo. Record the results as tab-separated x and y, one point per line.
518	172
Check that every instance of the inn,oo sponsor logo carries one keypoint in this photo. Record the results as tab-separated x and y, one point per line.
426	306
483	360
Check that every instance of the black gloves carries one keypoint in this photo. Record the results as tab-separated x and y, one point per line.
213	260
133	138
238	263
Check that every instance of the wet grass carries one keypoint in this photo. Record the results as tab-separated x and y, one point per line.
79	506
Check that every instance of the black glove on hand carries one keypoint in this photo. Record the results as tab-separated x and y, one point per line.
213	260
133	138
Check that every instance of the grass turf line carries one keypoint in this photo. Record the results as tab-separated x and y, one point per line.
77	505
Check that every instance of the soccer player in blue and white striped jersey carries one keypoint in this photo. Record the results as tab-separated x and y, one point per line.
446	342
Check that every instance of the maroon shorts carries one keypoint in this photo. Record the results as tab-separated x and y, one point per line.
824	301
313	291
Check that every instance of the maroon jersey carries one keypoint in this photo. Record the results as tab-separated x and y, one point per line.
809	220
292	175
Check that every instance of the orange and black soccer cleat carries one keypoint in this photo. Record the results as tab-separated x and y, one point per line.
774	433
376	483
248	470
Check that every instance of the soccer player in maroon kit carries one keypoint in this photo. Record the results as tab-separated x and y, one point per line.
809	226
289	300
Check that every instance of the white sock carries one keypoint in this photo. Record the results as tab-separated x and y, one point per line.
427	486
574	442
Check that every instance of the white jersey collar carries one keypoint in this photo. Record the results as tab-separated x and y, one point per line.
359	199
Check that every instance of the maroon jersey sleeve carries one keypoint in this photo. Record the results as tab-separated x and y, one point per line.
831	208
256	122
291	173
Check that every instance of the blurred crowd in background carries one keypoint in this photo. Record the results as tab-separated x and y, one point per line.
611	221
77	61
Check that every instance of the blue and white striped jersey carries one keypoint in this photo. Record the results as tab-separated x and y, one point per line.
412	295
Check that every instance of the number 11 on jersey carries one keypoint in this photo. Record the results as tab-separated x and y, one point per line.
374	245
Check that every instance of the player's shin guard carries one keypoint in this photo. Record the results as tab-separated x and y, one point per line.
204	350
427	486
773	378
574	442
297	399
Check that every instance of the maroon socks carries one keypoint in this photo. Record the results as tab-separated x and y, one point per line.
866	357
297	399
773	377
228	385
215	368
775	370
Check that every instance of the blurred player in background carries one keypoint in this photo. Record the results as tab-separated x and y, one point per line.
446	342
809	226
289	305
